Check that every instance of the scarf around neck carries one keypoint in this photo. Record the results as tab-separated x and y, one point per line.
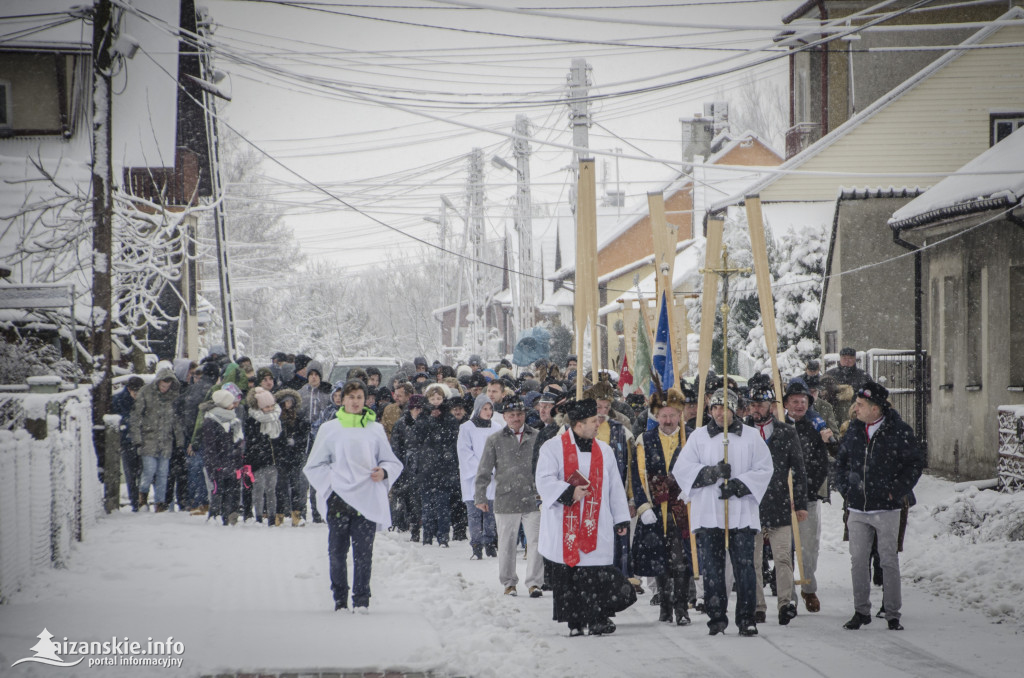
270	422
228	421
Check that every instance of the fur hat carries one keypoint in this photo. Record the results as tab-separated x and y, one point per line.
876	393
223	398
578	410
671	398
719	398
264	398
437	388
602	390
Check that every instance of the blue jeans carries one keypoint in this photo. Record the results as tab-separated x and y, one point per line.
197	494
158	467
344	527
482	530
436	514
711	542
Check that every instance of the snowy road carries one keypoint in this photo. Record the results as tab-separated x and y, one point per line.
254	598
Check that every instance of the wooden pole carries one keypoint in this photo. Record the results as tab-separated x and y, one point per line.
712	260
802	581
693	542
759	248
586	271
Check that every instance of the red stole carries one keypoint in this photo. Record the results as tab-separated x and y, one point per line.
579	533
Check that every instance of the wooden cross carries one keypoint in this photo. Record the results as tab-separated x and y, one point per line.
724	272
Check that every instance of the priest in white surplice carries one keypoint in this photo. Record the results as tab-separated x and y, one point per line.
578	524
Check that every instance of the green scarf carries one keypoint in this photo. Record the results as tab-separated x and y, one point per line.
348	420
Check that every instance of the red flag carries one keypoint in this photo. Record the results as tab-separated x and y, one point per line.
625	377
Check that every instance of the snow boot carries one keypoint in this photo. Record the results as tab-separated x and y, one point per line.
278	520
491	550
787	613
415	533
894	625
856	621
748	629
760	617
295	518
143	502
233	518
199	510
159	507
478	552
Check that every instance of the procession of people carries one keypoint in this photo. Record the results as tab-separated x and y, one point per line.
608	493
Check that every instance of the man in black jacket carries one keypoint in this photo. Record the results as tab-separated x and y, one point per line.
776	521
878	464
798	401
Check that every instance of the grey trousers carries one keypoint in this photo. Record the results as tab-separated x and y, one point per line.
781	540
810	542
508	532
265	487
863	528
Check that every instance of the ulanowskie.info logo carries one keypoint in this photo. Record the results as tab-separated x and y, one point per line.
114	652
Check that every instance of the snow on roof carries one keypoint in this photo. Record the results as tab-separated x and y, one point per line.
992	180
792	217
876	106
684	276
563	296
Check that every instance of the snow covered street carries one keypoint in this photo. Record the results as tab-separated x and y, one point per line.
251	598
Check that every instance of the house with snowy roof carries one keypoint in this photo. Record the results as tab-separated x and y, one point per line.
968	230
159	148
625	252
852	180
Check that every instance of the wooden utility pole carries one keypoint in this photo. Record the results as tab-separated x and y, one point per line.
759	248
103	35
585	298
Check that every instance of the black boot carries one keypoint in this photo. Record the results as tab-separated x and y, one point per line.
787	613
478	552
415	530
857	620
664	598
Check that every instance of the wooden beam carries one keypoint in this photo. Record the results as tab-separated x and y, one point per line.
759	248
712	259
586	270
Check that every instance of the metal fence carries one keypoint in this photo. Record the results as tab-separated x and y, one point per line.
50	494
896	370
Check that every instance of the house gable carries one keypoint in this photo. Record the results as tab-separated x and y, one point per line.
934	122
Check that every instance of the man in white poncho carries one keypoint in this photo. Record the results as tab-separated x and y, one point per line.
352	468
707	481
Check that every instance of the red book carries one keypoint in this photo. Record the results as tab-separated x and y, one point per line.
577	479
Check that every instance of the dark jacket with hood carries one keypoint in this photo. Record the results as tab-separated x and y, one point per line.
876	475
434	441
291	445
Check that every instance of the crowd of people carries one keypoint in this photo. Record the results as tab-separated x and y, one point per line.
607	493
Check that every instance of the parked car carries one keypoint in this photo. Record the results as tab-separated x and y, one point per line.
387	366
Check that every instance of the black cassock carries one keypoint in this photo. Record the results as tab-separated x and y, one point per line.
583	595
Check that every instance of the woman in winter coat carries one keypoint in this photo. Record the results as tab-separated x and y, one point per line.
405	494
352	467
292	487
224	454
262	433
155	431
473	434
434	438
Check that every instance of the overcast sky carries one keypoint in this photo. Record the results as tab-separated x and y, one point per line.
380	102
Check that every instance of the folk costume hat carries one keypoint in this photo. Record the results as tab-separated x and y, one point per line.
672	398
798	388
515	404
761	389
578	410
874	392
719	398
602	390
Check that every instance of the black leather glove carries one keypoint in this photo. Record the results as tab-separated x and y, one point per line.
724	470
